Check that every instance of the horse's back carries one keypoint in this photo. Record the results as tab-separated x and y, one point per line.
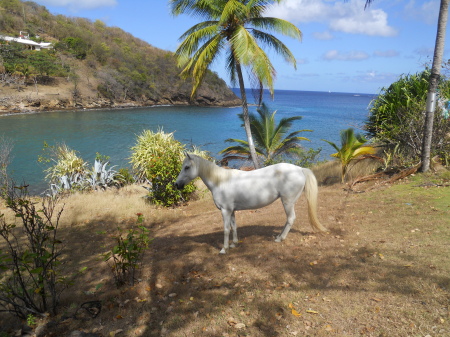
258	188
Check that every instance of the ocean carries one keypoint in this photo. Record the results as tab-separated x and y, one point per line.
113	132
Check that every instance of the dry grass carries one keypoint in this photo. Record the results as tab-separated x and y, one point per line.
382	270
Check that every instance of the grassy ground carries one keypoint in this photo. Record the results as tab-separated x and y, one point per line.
381	270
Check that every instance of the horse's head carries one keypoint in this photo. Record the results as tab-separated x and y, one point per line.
189	171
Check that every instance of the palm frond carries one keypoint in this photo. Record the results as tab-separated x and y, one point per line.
232	11
277	26
279	47
196	8
201	60
191	43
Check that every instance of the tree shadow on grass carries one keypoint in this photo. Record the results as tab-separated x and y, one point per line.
186	285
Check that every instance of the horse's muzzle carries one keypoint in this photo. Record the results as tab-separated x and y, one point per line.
179	186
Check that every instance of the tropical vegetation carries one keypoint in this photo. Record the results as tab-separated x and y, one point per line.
239	28
428	129
67	171
157	158
397	117
274	140
352	149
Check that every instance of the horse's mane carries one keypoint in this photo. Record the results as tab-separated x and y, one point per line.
211	171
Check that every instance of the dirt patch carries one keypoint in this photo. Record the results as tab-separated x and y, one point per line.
381	270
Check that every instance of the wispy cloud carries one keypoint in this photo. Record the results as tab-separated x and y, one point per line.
348	17
335	55
369	76
386	53
424	51
302	61
323	35
75	5
427	11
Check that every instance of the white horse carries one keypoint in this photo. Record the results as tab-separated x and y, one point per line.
234	190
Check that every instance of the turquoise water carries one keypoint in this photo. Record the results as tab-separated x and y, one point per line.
113	132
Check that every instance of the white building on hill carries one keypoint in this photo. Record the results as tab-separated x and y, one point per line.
24	39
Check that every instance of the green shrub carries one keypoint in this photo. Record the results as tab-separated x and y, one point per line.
157	157
126	177
125	257
30	275
397	118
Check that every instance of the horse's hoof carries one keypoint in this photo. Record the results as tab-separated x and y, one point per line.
223	251
232	245
278	239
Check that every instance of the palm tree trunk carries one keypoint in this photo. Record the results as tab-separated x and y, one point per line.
248	131
433	84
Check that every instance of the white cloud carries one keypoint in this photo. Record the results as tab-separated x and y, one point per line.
302	61
333	55
75	5
386	53
370	76
323	35
348	17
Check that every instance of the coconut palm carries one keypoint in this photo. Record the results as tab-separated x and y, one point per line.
272	140
351	149
433	82
239	28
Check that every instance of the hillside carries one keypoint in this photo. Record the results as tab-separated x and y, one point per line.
91	66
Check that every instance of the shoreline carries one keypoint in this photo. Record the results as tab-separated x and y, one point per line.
115	107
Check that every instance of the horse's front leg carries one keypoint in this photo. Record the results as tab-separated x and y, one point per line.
233	227
227	216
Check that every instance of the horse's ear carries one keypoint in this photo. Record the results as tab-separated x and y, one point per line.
187	155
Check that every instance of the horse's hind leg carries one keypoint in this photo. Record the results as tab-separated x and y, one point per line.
227	220
234	229
290	215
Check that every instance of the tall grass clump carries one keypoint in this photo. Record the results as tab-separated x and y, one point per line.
157	157
66	166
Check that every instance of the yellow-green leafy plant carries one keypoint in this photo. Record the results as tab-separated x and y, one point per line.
157	157
351	149
64	161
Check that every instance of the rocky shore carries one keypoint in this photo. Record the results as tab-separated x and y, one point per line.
13	105
29	99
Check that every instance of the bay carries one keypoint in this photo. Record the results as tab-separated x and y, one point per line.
113	132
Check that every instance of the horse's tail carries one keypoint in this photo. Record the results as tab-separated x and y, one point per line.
311	192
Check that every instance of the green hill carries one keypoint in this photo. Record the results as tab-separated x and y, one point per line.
91	65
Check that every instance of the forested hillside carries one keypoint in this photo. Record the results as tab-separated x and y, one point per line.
90	65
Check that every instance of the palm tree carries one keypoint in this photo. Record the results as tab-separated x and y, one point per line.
272	140
433	83
351	149
239	27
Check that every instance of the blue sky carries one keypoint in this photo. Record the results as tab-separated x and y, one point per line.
344	47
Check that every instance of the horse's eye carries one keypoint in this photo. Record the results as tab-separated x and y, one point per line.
187	168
